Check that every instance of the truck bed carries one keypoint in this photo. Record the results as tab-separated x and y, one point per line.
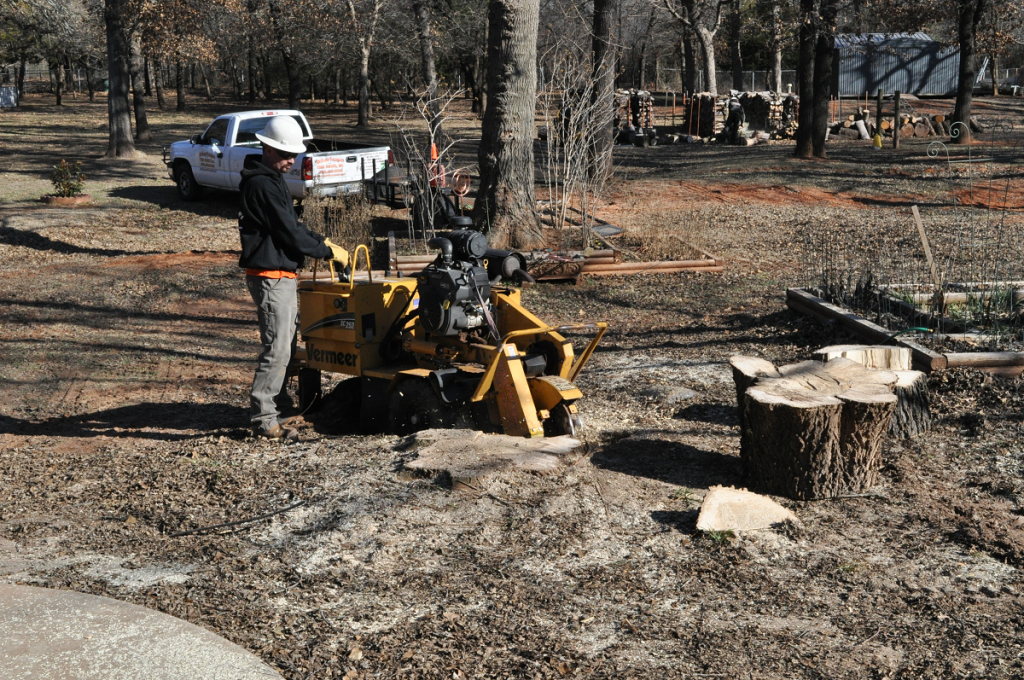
317	145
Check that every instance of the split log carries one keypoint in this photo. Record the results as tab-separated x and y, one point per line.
912	415
862	128
886	124
888	357
986	359
817	430
938	118
921	129
907	131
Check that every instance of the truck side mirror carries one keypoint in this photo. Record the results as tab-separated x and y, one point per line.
196	139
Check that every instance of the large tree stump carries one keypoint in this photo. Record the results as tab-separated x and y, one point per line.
912	415
816	430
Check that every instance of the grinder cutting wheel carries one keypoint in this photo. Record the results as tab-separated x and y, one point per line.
452	347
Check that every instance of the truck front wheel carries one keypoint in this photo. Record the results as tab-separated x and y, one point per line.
188	188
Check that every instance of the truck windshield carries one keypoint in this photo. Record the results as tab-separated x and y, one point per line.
248	128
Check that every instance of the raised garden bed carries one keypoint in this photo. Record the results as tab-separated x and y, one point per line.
924	358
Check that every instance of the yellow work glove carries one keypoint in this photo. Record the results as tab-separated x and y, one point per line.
338	254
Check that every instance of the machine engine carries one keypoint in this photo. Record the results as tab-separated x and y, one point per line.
455	289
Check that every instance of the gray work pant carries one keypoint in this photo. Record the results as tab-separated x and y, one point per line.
277	308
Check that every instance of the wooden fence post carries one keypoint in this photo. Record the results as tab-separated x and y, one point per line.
896	122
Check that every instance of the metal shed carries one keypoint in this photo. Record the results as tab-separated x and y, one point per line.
908	62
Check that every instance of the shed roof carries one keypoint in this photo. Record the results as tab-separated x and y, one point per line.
883	39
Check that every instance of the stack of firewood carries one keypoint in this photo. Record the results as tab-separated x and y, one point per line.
710	114
763	110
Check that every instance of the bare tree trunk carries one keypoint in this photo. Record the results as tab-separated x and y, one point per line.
146	76
689	62
250	73
267	85
291	67
707	44
22	73
481	74
119	115
805	74
506	207
823	76
423	32
969	13
70	78
206	82
363	118
58	83
735	35
142	131
603	96
179	82
337	84
158	83
88	80
776	43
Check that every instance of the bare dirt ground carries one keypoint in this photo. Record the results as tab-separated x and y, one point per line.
126	348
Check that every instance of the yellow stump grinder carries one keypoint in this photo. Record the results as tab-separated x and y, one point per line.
451	347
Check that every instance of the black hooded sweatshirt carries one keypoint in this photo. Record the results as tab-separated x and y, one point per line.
272	236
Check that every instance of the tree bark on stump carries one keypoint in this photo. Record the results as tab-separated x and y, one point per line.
912	415
867	412
816	430
792	441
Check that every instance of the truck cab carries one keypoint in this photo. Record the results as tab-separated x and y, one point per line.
215	158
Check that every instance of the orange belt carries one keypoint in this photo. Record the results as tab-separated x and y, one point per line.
271	273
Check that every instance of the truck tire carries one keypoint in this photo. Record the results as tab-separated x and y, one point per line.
188	188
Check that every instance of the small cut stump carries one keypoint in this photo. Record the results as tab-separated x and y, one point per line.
813	430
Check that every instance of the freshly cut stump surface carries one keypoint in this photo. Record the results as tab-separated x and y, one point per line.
469	456
49	634
889	357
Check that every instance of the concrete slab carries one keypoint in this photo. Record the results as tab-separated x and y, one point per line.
63	635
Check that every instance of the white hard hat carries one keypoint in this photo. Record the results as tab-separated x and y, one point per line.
282	133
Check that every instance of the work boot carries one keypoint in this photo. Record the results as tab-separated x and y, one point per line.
294	422
279	433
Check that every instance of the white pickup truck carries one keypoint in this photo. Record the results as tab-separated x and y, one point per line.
216	157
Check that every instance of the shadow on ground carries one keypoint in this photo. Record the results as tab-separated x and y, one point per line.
149	420
669	461
214	203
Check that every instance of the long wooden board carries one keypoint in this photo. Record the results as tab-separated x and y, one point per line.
810	305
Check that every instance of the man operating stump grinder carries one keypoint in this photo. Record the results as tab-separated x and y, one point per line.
274	246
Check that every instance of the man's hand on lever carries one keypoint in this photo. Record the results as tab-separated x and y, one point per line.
338	254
